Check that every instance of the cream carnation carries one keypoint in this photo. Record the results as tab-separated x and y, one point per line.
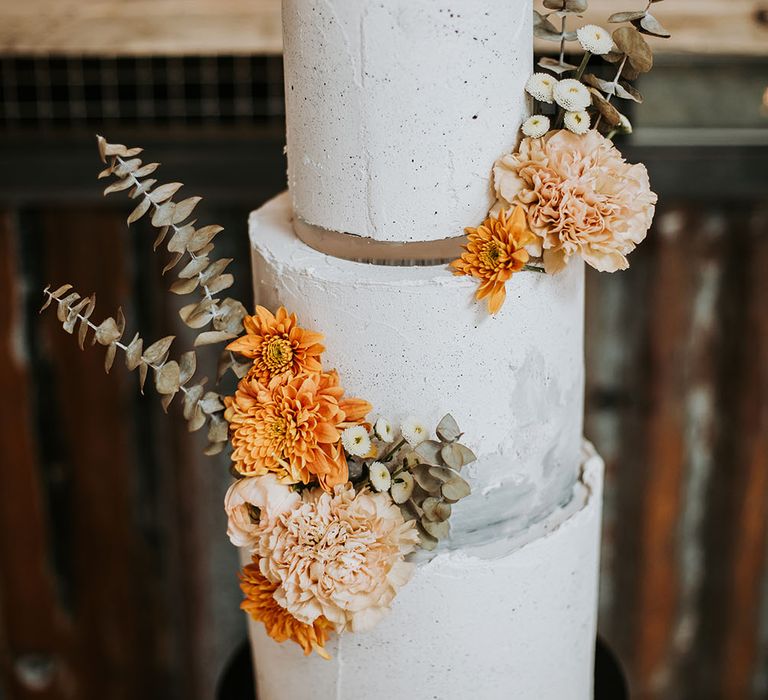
581	198
379	476
339	555
356	441
384	430
595	39
536	126
572	95
577	122
414	431
539	86
252	500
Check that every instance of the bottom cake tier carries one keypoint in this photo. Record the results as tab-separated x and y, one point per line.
515	618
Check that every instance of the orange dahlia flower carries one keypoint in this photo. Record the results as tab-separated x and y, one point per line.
261	605
277	346
494	251
293	429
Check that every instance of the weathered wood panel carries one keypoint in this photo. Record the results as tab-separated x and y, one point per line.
178	27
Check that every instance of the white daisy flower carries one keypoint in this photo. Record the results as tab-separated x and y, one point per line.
414	431
384	430
572	95
577	122
379	476
356	441
595	39
539	86
536	126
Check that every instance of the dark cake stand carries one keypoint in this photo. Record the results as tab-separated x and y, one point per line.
236	682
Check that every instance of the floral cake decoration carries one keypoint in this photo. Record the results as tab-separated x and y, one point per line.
567	192
328	501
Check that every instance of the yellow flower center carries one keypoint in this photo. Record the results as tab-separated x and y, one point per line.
490	254
277	429
277	354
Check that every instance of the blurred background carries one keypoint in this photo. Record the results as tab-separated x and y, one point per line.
116	577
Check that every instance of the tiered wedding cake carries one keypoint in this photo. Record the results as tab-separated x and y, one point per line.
396	111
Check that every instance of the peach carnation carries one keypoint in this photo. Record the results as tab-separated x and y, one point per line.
580	196
261	605
277	346
292	429
494	251
339	556
254	498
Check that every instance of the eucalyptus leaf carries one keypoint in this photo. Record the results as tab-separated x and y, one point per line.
167	378
133	353
214	269
125	168
220	283
143	369
425	480
107	332
194	267
212	337
630	42
184	286
163	215
438	530
650	25
182	234
184	209
619	17
156	353
429	451
456	489
160	237
211	403
118	186
109	358
448	429
164	192
191	398
139	211
553	65
145	170
197	421
187	366
218	431
173	262
202	237
426	540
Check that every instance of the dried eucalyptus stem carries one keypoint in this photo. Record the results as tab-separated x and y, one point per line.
201	272
170	377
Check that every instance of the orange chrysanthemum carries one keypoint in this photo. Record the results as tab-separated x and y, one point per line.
277	346
261	605
494	251
293	428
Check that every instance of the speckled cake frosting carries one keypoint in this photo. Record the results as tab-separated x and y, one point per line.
395	110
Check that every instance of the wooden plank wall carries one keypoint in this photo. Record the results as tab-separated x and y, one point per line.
176	27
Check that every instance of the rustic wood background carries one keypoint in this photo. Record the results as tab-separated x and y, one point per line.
116	579
150	27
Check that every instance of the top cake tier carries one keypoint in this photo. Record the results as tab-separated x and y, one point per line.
397	109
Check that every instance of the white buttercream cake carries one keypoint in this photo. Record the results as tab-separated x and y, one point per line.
396	111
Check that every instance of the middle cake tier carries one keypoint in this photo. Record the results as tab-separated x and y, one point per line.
413	341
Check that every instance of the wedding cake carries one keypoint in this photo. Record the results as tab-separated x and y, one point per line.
425	268
396	111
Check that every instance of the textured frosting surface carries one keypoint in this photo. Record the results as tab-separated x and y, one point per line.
397	109
412	340
518	621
